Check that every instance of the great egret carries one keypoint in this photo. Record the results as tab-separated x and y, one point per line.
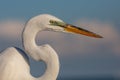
14	64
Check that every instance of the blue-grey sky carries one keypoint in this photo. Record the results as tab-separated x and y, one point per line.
68	10
102	13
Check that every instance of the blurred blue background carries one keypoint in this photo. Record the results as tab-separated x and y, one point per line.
79	56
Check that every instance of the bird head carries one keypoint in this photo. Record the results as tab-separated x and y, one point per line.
53	23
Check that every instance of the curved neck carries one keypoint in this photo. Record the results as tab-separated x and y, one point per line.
44	53
28	37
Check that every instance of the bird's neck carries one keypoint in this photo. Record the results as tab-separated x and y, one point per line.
28	38
44	53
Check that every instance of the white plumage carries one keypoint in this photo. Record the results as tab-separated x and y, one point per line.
14	63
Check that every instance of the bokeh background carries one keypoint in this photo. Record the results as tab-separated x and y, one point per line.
80	56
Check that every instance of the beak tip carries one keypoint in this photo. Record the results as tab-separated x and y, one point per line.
98	36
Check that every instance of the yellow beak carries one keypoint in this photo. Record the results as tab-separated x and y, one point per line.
74	29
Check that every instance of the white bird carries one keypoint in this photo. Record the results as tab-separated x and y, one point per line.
14	63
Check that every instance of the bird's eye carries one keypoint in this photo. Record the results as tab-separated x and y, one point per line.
51	21
57	23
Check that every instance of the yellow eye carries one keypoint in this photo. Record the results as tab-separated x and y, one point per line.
57	23
51	21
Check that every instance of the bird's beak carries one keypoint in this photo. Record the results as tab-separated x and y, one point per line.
78	30
73	29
